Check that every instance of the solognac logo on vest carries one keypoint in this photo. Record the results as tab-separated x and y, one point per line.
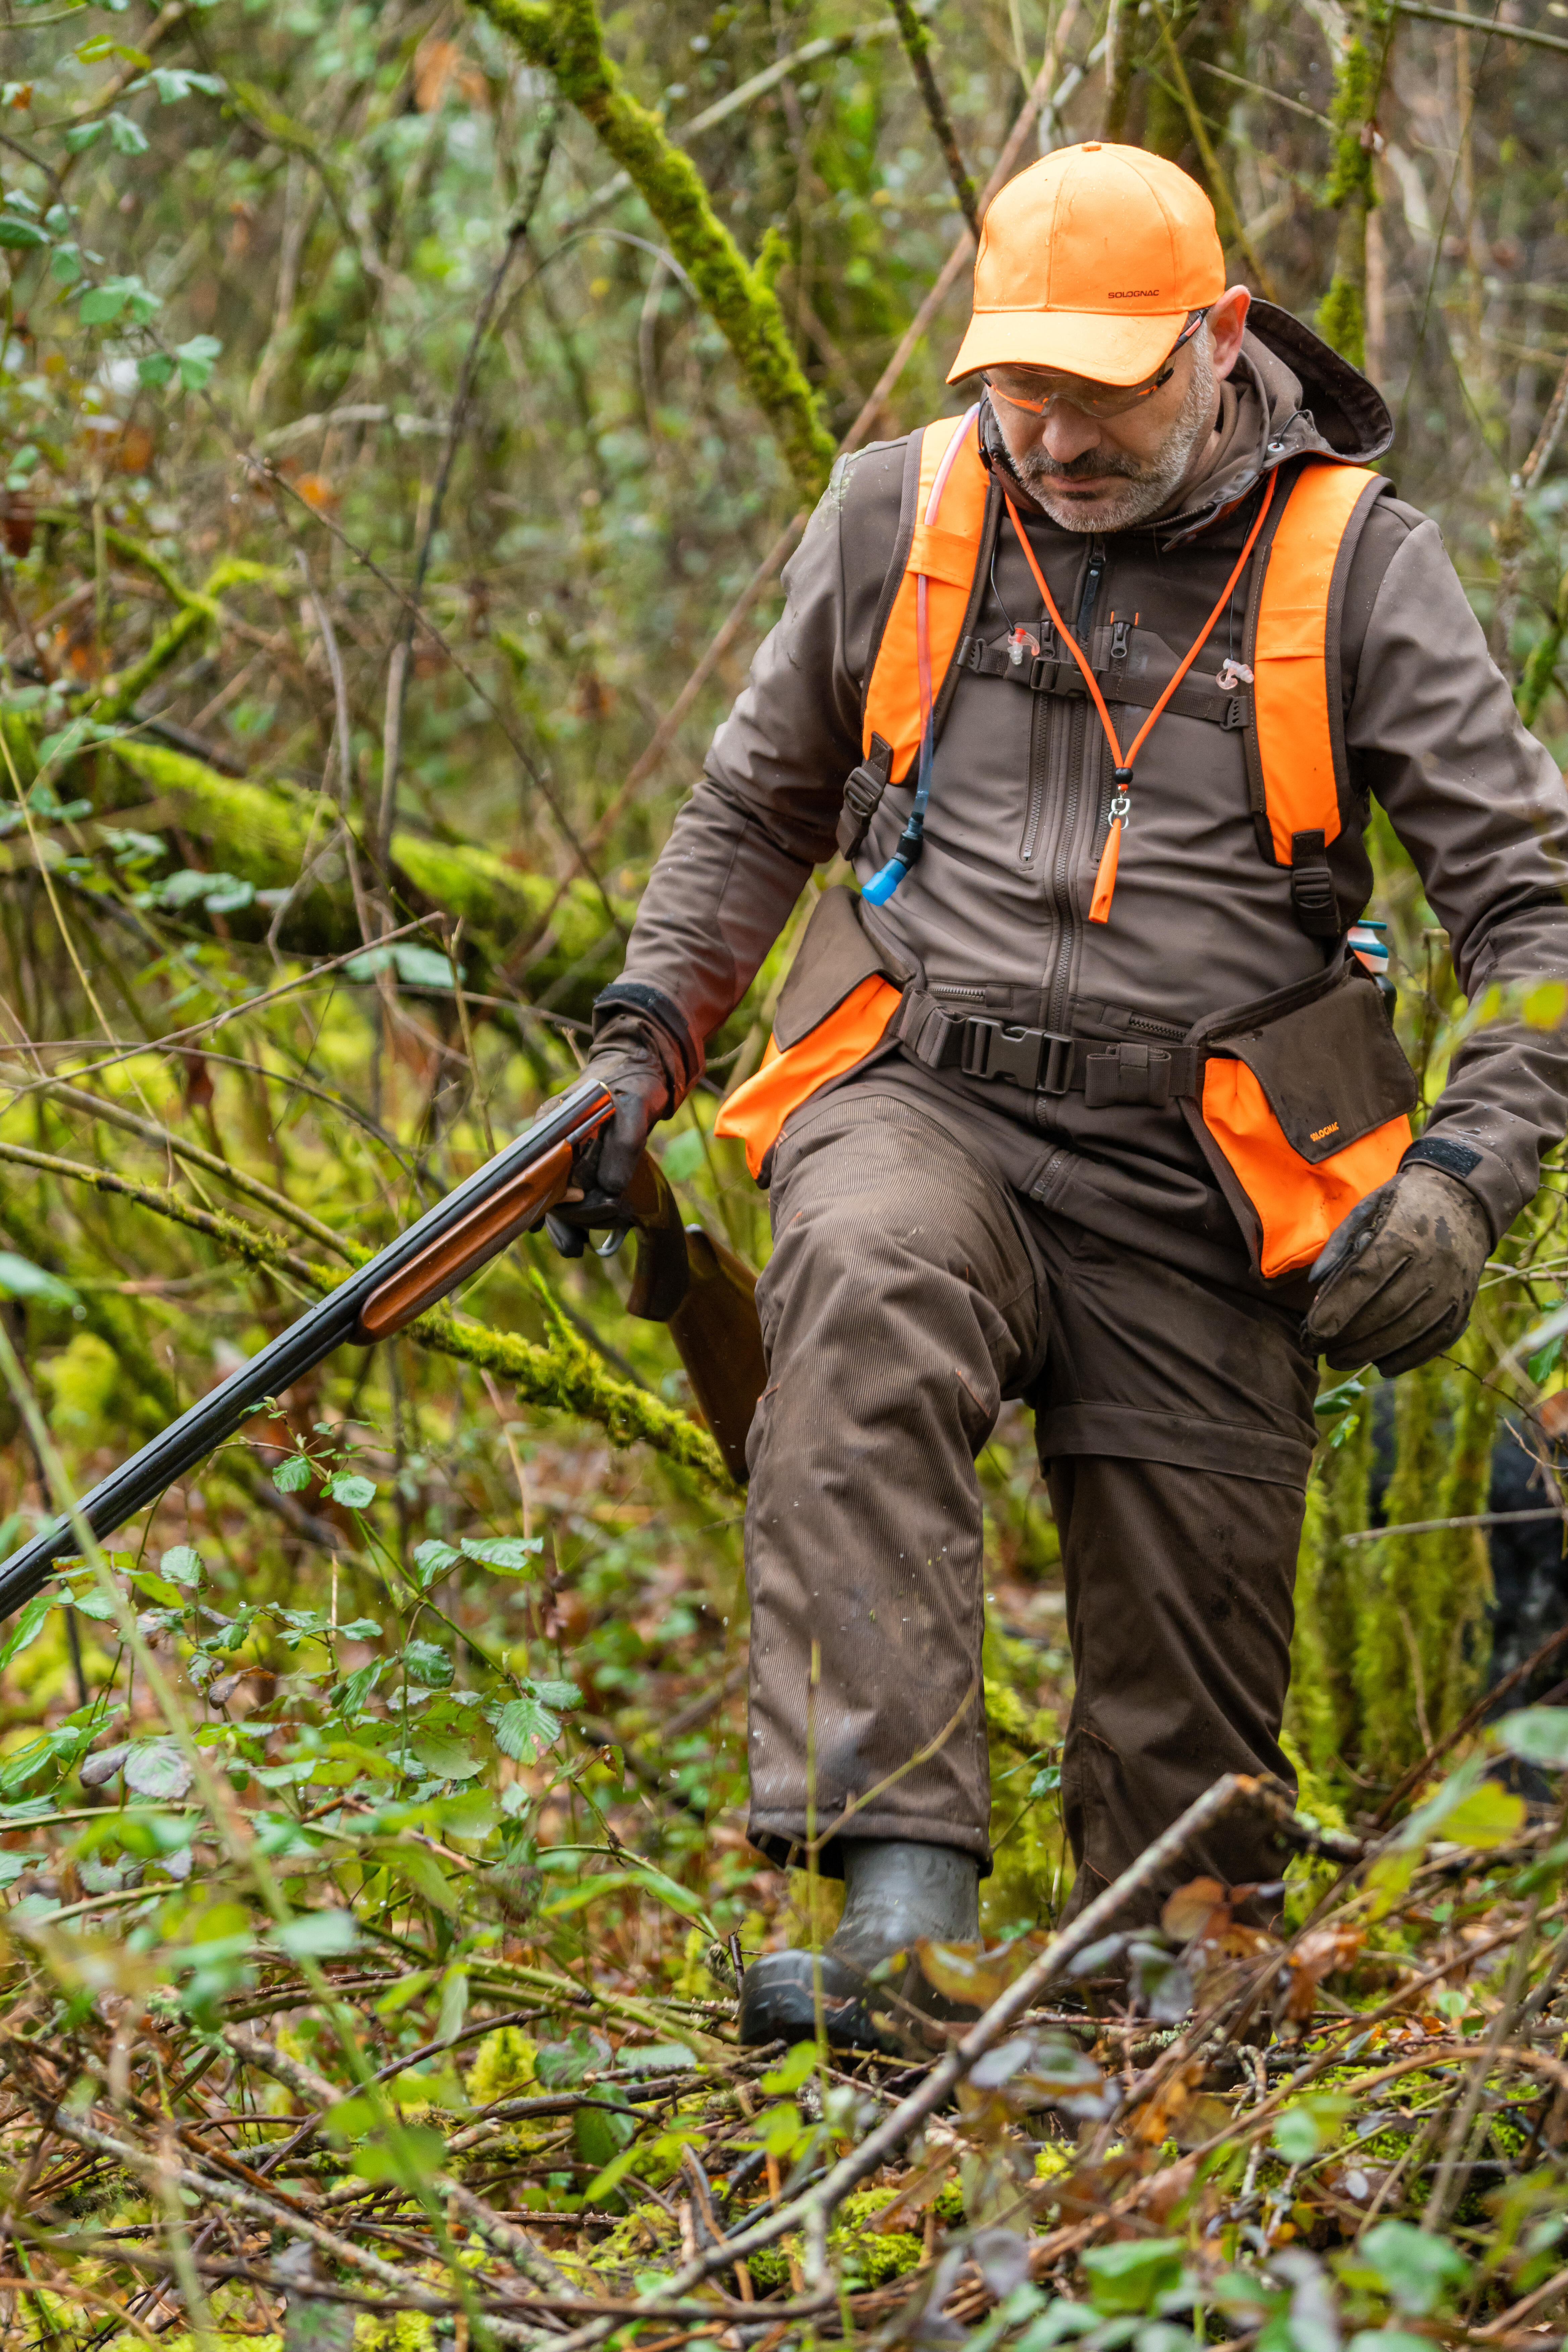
1319	1132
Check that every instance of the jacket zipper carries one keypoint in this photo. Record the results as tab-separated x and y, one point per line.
1040	735
1061	881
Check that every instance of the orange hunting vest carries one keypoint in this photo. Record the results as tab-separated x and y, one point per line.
1296	1203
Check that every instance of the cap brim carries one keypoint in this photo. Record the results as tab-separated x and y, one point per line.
1079	342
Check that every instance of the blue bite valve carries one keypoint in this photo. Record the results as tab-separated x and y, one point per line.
882	885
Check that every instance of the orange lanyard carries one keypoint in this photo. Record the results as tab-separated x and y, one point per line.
1121	805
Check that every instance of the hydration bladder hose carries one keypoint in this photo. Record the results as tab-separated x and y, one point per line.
883	883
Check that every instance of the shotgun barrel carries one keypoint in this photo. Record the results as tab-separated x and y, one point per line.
683	1278
450	1242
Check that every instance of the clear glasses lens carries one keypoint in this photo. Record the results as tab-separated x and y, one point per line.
1100	400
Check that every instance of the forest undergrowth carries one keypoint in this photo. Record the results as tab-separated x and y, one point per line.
406	413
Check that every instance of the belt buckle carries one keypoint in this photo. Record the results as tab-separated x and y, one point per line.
993	1049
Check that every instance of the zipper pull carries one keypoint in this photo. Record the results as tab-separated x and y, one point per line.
1090	590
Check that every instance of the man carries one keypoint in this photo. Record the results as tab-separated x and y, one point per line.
1067	1103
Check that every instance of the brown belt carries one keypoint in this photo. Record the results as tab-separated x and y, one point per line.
1046	1061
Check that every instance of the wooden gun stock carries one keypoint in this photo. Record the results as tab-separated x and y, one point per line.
716	1328
707	1295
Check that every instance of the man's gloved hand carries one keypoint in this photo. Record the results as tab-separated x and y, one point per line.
637	1078
1397	1279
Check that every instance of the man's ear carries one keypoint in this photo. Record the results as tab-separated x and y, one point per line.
1227	324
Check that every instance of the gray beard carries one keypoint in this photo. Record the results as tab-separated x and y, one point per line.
1150	482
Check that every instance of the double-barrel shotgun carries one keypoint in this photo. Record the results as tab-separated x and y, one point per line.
683	1278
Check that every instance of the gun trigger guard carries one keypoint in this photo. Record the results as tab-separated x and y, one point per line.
613	1242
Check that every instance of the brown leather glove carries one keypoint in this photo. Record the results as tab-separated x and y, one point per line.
1397	1279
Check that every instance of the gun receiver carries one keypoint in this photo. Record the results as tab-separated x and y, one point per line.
698	1288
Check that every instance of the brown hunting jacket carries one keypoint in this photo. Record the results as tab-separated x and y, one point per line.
994	914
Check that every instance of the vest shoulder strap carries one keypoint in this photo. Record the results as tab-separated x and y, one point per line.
945	537
1298	768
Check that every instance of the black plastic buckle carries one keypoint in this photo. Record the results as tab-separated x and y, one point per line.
1036	1059
994	1050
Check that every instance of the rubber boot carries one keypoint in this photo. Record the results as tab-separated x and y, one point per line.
895	1893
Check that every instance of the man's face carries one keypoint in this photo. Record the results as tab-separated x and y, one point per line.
1105	473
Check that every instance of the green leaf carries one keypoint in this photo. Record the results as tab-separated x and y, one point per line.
183	1564
354	1493
196	359
82	134
158	1768
155	368
561	1695
28	1626
424	1662
1308	2125
682	1157
433	1558
560	2065
360	1629
418	1868
1416	2265
292	1472
599	2134
1538	1733
1133	2275
791	2072
444	1758
20	1278
514	1555
1488	1817
126	137
524	1729
423	967
100	305
624	1882
409	2161
172	82
20	234
317	1935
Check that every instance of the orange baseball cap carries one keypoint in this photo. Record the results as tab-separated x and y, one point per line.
1090	261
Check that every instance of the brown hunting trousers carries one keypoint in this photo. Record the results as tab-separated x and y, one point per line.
909	1292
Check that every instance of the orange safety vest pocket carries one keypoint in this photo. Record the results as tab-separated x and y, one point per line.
1309	1113
1297	1204
757	1110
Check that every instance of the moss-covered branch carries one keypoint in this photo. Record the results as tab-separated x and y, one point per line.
1351	192
263	833
564	37
198	610
915	36
564	1377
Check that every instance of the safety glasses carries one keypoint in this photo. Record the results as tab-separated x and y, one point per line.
1100	400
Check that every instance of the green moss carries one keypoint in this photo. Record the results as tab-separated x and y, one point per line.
1354	104
503	2065
263	832
1541	663
866	2255
1341	319
80	1384
565	41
